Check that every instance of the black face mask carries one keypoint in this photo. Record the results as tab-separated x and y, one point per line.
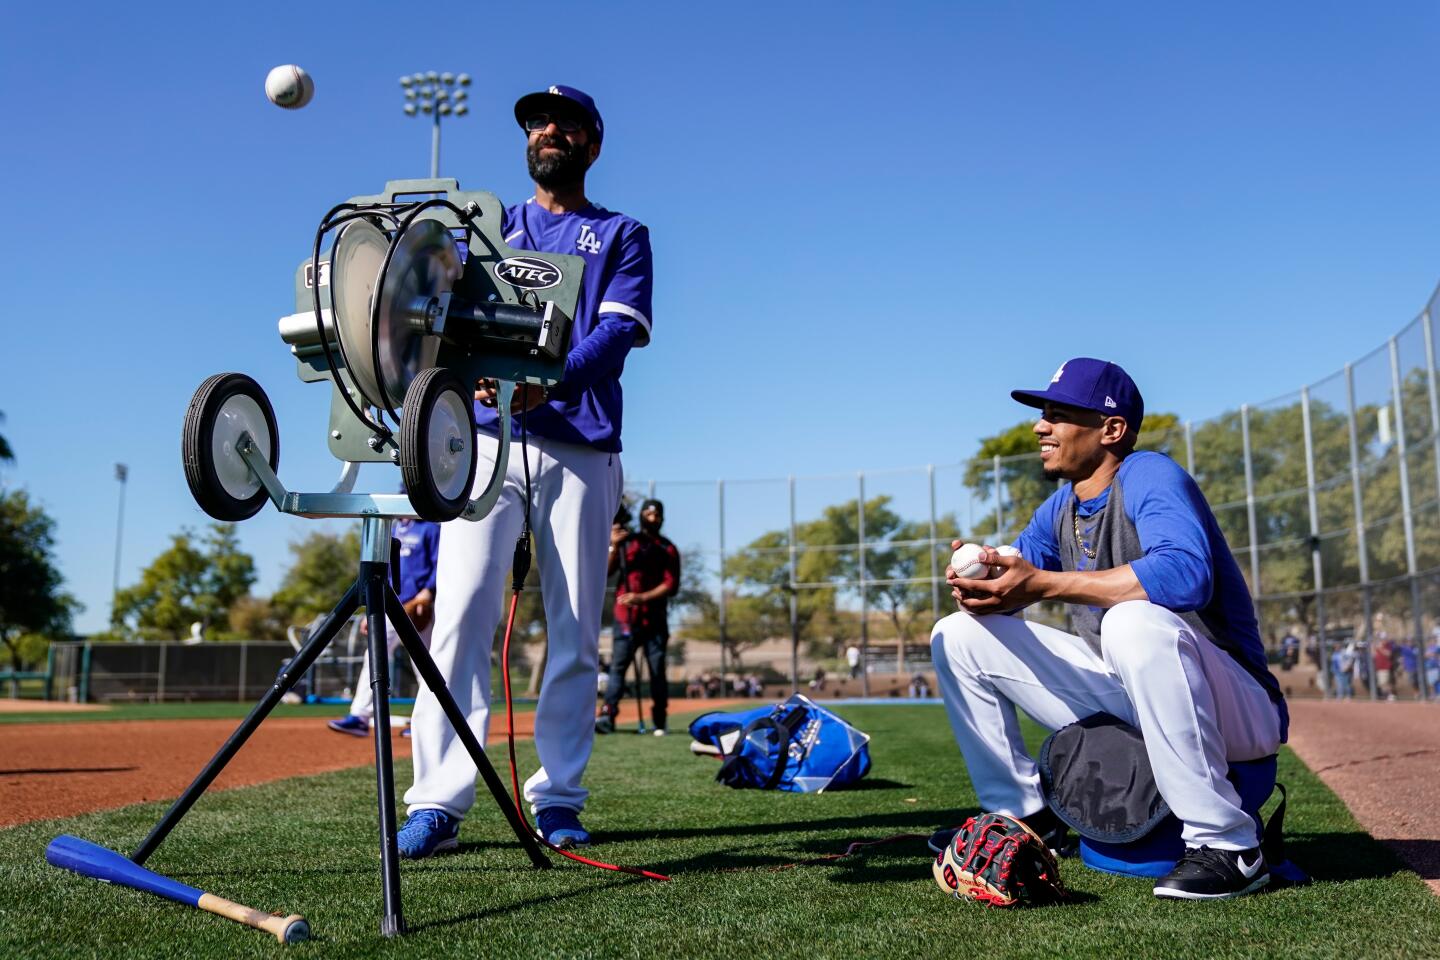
561	170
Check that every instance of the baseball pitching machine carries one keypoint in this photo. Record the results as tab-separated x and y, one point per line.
401	326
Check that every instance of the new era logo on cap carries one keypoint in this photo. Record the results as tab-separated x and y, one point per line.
1090	384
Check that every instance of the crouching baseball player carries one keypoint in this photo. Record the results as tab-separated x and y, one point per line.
575	473
1168	640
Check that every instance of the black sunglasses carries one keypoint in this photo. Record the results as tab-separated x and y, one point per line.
539	121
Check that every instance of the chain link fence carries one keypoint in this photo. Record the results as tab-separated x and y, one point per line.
85	672
1329	497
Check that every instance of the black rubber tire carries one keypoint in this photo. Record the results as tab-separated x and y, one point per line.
197	442
423	394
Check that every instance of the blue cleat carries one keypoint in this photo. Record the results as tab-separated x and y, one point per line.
353	725
427	832
560	827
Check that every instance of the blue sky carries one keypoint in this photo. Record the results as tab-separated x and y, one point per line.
870	221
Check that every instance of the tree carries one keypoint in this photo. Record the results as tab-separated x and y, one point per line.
1282	510
7	455
325	567
827	561
31	599
255	618
904	564
187	583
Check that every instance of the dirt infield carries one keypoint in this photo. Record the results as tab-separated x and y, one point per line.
1381	759
9	705
63	769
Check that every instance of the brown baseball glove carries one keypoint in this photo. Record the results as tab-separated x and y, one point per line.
999	861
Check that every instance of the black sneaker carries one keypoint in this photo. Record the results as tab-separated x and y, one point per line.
1208	874
604	724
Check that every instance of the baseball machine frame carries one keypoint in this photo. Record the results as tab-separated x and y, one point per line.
401	326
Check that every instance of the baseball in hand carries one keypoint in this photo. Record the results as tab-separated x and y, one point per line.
966	562
967	565
289	87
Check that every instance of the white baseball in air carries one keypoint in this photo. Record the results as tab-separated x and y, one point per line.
966	562
289	87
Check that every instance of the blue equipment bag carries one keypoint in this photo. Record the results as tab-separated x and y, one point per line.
797	746
1096	777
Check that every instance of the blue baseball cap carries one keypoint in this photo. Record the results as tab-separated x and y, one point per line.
1091	384
561	99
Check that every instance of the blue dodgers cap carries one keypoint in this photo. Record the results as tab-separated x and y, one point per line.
1091	385
560	98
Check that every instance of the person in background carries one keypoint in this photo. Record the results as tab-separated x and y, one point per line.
649	568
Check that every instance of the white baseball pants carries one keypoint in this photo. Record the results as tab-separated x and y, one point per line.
1196	707
364	703
576	491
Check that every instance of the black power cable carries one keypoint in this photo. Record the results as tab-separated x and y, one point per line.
328	223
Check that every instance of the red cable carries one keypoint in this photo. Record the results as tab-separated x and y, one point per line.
515	776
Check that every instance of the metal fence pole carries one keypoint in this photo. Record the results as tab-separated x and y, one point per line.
1412	565
1255	591
85	654
1434	394
1316	564
160	675
720	493
1189	449
1361	547
794	600
650	490
999	501
864	600
240	686
1431	385
934	560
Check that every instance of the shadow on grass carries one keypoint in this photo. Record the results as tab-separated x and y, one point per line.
898	851
871	823
505	909
1354	855
873	783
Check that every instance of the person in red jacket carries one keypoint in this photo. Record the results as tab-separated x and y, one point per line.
649	568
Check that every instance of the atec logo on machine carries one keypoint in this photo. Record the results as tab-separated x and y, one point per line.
532	273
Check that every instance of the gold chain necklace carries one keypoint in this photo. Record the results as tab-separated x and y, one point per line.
1089	553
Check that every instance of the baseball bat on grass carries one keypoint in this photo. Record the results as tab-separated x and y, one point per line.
84	857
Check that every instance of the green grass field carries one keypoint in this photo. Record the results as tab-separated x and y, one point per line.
309	845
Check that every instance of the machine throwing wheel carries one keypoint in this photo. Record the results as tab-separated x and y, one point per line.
226	407
424	266
437	444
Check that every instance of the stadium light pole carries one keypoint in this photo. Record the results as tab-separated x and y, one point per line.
122	474
436	95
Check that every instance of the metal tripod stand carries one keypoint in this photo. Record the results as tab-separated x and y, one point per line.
372	588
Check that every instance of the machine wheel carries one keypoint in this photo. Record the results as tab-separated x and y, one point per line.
437	444
225	407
